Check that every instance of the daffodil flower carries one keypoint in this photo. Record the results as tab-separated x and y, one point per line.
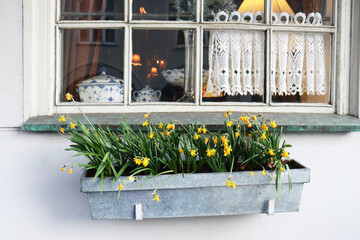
199	130
229	123
145	124
237	134
196	137
206	140
137	161
281	169
204	130
151	135
146	116
285	154
229	112
227	150
68	96
131	178
62	130
121	187
62	118
263	172
263	136
272	124
263	126
181	150
156	197
251	173
225	115
271	152
193	153
70	171
254	117
249	135
215	140
145	161
160	125
72	125
63	169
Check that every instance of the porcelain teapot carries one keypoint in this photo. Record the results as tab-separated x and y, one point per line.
147	94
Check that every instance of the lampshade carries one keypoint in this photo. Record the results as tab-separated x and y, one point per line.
254	6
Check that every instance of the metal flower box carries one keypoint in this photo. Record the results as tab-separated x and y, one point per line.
194	195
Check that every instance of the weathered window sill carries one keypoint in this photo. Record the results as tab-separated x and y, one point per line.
291	122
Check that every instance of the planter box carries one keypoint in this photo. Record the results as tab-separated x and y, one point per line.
194	195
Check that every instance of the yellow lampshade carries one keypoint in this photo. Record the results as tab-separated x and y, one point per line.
254	6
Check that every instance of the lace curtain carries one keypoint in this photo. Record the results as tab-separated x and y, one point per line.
236	58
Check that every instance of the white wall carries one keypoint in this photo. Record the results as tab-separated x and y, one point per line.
37	201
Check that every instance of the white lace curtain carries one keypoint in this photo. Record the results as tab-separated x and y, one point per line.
236	62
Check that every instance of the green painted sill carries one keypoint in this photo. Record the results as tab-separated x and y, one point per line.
291	122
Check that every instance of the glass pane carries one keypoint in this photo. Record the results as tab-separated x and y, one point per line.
167	10
300	70
92	9
234	66
303	12
163	65
243	11
93	64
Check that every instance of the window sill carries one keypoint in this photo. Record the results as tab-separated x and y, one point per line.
291	122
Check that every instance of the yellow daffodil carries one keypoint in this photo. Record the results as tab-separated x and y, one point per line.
181	150
272	178
281	169
249	125
170	126
62	118
131	178
146	116
145	161
225	115
233	184
263	136
204	130
199	130
249	135
206	140
228	183
70	171
254	117
251	173
215	140
156	197
161	125
121	187
285	154
63	169
237	134
271	152
229	123
196	137
72	125
137	161
62	130
229	112
193	153
167	133
225	141
263	126
151	135
263	172
227	150
245	119
145	124
208	152
68	96
272	124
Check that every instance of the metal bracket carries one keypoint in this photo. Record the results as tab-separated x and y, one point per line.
271	207
138	212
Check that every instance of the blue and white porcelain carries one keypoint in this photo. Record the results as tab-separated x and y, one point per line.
147	94
177	76
102	88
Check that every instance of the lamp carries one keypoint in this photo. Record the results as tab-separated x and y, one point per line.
136	60
253	6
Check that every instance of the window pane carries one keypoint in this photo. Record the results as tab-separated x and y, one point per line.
92	9
163	65
167	10
300	70
89	54
308	12
234	11
234	69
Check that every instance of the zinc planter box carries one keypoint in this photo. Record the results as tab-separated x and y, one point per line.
194	195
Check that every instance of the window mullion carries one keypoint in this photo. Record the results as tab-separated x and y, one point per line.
127	64
267	86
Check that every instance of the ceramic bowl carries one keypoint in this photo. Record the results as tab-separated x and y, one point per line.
177	76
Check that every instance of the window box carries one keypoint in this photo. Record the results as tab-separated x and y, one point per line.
194	195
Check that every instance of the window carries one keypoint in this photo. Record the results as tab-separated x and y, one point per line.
176	55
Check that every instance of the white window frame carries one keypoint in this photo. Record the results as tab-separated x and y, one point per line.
42	62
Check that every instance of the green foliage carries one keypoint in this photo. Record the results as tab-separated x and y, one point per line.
246	143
